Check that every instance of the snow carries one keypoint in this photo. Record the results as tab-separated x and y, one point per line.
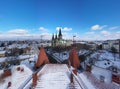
98	72
104	64
23	56
2	59
2	48
1	71
18	46
105	59
57	76
85	81
28	64
61	56
82	52
98	84
2	52
102	54
17	78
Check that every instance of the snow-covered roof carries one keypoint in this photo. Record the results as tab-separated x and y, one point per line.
103	64
97	83
61	56
1	48
17	78
18	46
2	59
106	59
82	52
24	56
102	54
2	52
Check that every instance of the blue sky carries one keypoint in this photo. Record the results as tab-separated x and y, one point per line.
87	19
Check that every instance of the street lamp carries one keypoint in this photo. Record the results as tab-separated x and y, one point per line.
41	38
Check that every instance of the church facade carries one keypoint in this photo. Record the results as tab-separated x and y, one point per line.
57	40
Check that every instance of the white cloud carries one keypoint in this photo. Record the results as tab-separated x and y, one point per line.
64	29
98	27
18	31
67	29
105	33
89	32
118	32
42	29
113	28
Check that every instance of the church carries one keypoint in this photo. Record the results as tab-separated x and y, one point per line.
57	40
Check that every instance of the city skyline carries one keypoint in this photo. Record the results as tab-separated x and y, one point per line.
87	19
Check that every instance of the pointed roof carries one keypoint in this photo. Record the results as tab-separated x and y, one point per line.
74	59
53	37
60	33
42	58
56	36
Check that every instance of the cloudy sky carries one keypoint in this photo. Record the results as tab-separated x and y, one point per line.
87	19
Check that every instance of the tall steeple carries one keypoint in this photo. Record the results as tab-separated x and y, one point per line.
52	41
56	36
60	34
52	37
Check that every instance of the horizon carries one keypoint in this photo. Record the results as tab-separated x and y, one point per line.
86	19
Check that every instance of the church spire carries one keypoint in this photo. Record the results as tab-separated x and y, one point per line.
60	33
56	36
53	37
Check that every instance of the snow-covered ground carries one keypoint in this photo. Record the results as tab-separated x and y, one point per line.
17	78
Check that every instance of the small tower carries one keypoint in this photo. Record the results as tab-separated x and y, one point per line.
74	59
52	42
56	40
42	58
56	36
